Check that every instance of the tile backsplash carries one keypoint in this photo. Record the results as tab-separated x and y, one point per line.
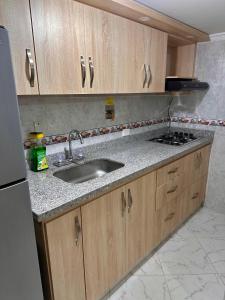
60	114
209	107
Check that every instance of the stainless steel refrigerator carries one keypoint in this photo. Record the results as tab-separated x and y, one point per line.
19	268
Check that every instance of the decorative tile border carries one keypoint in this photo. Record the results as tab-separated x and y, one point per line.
61	138
199	121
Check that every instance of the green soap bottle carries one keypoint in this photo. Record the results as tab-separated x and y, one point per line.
37	154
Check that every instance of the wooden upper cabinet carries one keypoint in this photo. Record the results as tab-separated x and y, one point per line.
65	252
58	27
15	17
158	56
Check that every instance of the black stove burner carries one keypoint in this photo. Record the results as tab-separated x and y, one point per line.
175	138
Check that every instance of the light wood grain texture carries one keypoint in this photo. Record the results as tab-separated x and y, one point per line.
196	164
167	219
43	257
58	27
171	61
104	243
135	11
140	216
15	16
194	196
185	61
66	257
118	48
158	54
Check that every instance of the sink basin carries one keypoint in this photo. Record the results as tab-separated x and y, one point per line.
87	171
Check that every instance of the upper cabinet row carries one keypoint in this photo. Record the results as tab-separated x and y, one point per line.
66	47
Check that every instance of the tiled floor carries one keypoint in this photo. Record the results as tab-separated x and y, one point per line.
189	266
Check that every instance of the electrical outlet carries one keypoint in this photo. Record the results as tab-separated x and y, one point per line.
125	132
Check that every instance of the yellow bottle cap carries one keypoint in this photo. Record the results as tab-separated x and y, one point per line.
37	135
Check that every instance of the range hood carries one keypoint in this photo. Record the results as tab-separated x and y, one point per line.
177	84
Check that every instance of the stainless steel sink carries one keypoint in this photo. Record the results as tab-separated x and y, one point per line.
87	171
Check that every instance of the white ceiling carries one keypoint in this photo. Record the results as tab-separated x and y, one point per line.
206	15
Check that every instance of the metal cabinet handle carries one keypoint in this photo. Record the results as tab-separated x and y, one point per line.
130	200
173	171
146	75
31	68
195	196
77	229
83	70
169	217
150	76
124	203
172	190
92	72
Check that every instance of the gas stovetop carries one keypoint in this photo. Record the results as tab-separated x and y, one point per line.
177	138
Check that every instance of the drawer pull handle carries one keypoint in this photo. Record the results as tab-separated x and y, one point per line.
169	217
172	190
92	72
83	71
195	196
146	75
130	200
31	71
150	76
124	203
173	171
77	230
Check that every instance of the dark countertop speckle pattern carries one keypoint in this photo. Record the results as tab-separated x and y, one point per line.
51	197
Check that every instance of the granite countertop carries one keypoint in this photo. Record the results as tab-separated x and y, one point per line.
51	197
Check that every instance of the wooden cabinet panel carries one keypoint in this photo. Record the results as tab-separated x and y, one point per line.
58	27
193	197
116	47
196	164
139	229
66	257
104	243
185	61
171	173
158	54
167	219
15	16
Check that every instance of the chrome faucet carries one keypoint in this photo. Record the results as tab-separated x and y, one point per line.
77	132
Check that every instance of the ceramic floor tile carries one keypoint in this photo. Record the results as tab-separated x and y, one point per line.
183	234
143	288
215	249
184	257
151	267
207	223
196	287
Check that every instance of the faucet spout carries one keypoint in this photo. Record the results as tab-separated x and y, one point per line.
77	133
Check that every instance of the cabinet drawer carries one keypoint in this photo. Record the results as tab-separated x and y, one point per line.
171	173
166	192
167	219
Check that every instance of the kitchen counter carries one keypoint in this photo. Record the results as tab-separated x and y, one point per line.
51	197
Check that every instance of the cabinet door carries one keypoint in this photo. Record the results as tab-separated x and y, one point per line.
15	16
58	28
66	256
139	229
116	48
158	54
104	243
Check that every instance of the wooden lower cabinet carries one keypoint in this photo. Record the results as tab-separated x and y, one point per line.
103	223
86	252
65	252
117	234
140	217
